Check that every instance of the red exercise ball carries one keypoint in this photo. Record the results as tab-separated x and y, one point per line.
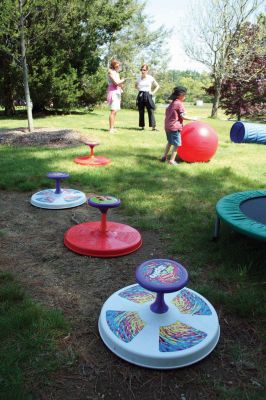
199	142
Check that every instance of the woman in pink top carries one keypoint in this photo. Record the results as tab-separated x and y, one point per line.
173	123
114	91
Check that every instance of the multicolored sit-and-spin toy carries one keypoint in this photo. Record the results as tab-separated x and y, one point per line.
159	322
58	198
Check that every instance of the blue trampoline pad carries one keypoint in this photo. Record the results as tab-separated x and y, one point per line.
255	209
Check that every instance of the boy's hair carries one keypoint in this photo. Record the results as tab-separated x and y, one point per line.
177	91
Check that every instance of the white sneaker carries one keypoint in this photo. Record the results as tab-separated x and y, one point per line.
172	163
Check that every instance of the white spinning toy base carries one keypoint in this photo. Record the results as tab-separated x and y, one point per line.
58	198
183	335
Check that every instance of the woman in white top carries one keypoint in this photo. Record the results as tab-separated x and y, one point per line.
114	91
147	87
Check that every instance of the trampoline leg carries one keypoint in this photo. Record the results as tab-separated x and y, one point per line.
216	228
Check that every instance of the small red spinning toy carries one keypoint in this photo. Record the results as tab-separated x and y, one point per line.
92	160
103	238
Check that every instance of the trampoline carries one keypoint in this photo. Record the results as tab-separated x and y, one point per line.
245	212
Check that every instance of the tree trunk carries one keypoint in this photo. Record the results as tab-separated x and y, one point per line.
25	69
216	100
9	107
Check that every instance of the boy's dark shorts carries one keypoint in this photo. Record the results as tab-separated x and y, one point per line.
174	138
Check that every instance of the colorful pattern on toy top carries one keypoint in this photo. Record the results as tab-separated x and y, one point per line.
189	303
125	325
103	200
159	272
179	336
137	294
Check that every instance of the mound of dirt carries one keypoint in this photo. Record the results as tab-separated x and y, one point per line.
49	137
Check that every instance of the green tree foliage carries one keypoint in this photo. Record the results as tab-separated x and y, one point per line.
74	55
93	88
134	45
10	66
194	81
243	90
63	42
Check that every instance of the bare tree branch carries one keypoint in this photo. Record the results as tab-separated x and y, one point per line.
214	29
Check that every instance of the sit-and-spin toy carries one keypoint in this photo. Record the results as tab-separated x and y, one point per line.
92	160
58	198
159	323
103	238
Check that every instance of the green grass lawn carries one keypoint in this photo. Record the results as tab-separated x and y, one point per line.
178	203
28	341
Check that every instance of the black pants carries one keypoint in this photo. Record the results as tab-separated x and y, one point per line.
144	100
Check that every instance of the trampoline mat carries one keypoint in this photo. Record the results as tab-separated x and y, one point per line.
255	209
245	212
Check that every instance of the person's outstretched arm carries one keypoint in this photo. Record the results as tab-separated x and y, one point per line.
183	115
114	79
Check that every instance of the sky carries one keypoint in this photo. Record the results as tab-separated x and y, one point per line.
167	13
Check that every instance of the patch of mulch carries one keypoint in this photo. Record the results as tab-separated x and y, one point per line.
49	137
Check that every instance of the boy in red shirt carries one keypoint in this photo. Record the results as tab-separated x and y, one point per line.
173	124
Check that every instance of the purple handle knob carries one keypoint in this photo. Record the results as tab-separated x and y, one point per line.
57	176
104	203
161	276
